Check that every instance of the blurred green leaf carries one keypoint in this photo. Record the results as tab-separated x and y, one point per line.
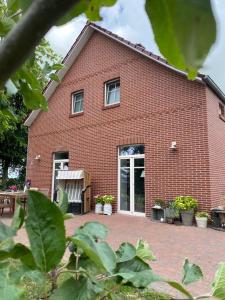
6	232
18	217
184	31
63	200
218	290
143	251
46	231
125	252
191	272
180	288
54	77
84	289
33	98
6	24
94	229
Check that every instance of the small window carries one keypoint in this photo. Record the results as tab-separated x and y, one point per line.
221	110
77	102
112	92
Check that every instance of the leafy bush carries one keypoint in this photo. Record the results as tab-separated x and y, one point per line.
98	199
94	270
186	203
108	199
202	214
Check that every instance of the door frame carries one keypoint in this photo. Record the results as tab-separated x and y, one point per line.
131	212
53	172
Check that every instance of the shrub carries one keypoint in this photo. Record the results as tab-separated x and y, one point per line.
108	199
202	214
98	199
186	203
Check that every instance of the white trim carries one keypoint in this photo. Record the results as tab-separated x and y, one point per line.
105	87
72	100
53	171
132	200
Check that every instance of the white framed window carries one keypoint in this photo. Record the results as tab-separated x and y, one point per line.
112	92
77	102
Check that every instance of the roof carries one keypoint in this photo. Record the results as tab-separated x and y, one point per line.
79	44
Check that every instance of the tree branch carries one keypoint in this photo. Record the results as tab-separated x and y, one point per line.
28	32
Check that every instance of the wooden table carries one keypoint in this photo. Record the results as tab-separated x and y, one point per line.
14	196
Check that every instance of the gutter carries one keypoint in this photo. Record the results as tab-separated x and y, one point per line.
214	87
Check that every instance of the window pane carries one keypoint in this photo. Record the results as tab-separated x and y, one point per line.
139	162
78	102
113	92
124	189
61	155
125	163
132	150
110	98
139	191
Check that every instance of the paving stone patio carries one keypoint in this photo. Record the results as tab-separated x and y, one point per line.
170	243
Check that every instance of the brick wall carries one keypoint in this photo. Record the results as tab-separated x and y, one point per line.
216	133
157	106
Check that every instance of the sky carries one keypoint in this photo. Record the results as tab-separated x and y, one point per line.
130	21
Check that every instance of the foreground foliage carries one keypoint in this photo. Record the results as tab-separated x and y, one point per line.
184	32
93	271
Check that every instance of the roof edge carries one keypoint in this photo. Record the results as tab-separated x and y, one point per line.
214	87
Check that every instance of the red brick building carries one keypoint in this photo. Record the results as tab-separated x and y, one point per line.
136	124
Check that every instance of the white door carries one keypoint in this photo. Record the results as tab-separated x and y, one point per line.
58	164
131	194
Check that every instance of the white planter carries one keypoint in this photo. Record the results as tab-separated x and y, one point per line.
107	209
98	208
201	222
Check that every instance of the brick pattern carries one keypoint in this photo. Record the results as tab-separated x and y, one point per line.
216	136
157	107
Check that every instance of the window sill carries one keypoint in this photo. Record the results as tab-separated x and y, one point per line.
76	114
110	106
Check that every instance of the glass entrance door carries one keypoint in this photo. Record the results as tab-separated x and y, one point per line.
132	184
60	162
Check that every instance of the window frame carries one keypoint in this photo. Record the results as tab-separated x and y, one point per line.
106	84
73	113
222	111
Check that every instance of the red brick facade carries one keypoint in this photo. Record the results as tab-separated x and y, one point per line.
157	106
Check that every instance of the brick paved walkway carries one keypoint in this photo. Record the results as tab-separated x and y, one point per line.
170	243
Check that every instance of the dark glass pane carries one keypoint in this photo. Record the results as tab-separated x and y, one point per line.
61	155
125	163
139	190
125	189
139	162
132	150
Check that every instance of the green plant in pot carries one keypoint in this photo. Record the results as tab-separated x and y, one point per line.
171	212
98	204
186	205
201	218
107	200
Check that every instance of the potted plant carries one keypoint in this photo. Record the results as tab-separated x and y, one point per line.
186	205
107	200
159	203
171	212
201	218
98	204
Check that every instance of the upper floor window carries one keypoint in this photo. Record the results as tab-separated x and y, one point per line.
112	92
77	102
221	110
